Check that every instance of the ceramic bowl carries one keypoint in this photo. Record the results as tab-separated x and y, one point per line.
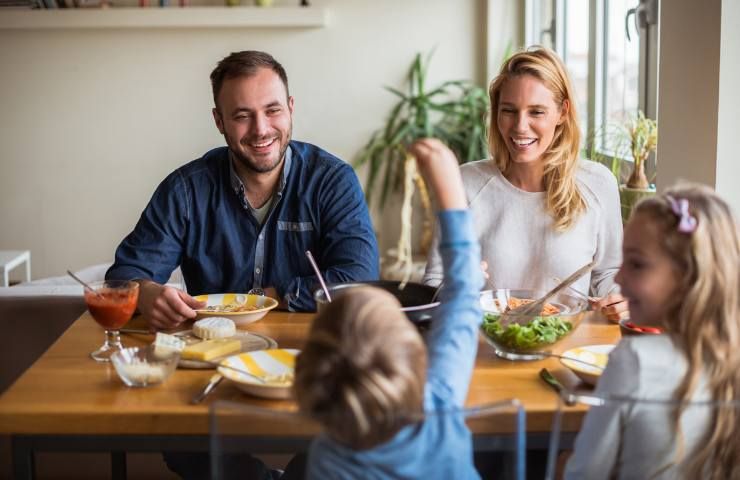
587	362
249	307
275	366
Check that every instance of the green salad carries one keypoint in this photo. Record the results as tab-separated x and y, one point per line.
539	332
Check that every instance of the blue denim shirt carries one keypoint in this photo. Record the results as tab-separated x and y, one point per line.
198	219
441	447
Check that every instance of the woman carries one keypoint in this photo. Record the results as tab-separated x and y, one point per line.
540	211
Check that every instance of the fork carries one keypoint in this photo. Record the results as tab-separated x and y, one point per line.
522	314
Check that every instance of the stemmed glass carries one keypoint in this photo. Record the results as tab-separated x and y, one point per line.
111	304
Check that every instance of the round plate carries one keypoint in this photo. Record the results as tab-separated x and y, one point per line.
261	304
274	362
591	361
250	342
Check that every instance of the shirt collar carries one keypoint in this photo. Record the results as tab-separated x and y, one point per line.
238	186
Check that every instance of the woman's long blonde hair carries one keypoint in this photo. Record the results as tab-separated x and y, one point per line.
704	319
563	200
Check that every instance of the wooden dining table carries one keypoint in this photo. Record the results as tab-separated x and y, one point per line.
68	402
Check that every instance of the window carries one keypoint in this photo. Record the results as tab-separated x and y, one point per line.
610	50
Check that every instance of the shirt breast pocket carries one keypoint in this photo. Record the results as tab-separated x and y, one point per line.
284	226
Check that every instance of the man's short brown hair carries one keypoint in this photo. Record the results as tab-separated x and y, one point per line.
362	372
244	64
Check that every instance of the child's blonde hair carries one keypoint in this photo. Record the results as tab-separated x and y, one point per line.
562	199
704	318
362	371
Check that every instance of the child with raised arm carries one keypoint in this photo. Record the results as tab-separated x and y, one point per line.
681	271
366	376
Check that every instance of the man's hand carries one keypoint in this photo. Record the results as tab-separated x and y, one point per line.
614	307
439	167
165	307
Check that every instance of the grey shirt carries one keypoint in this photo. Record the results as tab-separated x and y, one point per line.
636	440
517	238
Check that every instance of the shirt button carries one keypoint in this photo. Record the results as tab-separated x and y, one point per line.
256	270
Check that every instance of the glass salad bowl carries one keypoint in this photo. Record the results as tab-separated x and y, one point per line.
532	335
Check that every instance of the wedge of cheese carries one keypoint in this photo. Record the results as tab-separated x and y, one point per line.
210	349
214	327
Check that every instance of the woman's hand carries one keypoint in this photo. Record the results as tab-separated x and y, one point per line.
613	306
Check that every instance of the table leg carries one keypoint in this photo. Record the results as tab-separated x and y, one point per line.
6	280
23	468
118	465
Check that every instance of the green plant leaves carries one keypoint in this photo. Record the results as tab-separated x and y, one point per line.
454	111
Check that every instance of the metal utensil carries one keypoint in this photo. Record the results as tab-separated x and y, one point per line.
436	292
318	274
548	377
522	314
243	372
81	282
214	381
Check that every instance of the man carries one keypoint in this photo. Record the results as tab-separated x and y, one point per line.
243	216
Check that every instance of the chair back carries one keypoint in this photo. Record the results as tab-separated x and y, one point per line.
631	437
238	428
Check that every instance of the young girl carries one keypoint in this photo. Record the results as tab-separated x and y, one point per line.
681	271
366	375
540	210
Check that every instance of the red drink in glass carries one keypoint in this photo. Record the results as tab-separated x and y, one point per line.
111	304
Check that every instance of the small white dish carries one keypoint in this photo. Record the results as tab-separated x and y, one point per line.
253	307
587	362
275	366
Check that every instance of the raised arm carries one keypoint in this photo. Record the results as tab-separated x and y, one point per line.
453	338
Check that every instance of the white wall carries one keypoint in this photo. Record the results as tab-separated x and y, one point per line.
91	121
699	97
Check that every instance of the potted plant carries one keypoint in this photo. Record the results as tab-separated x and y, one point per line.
634	139
454	112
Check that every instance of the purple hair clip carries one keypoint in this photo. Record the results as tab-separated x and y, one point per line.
686	221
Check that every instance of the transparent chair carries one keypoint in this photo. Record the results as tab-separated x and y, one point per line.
237	429
626	437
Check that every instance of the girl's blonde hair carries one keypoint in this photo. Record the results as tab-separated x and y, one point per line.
563	200
362	371
704	318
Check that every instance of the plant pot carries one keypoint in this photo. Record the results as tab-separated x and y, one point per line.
629	198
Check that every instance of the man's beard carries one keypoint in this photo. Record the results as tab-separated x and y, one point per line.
249	163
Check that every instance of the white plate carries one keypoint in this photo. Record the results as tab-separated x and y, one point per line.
250	342
591	361
274	362
263	305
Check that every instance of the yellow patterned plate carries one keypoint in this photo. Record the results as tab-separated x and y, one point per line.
275	366
588	362
242	308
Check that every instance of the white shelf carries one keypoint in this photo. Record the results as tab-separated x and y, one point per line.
168	17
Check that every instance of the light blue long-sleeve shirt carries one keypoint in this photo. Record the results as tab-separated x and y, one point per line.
441	446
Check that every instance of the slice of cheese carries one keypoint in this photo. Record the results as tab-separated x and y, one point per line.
210	349
214	327
165	345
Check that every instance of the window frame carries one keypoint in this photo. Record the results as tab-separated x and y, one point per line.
647	34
